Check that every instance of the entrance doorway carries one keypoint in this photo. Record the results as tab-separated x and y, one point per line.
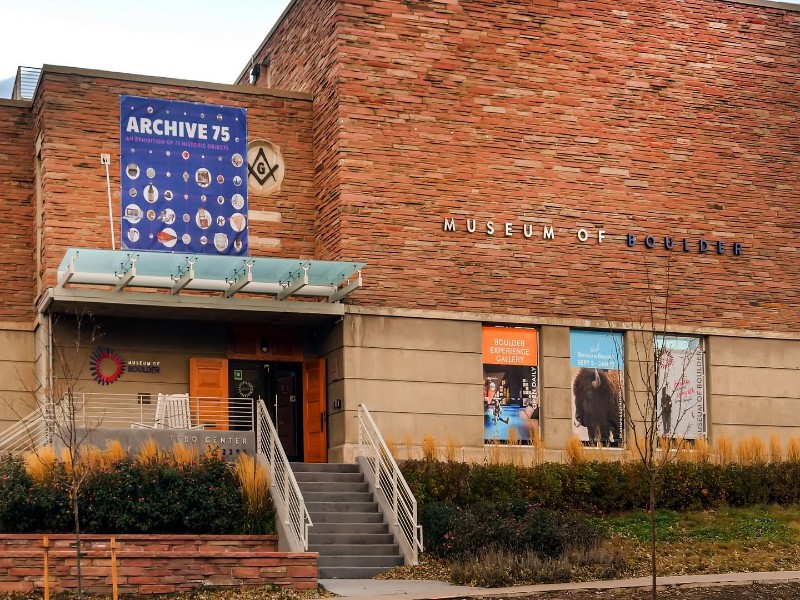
280	386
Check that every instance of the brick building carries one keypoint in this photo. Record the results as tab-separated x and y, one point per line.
525	182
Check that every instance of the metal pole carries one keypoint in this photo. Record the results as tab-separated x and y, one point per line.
110	213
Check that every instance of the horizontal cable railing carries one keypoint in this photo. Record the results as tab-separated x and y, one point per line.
290	506
26	434
390	481
25	83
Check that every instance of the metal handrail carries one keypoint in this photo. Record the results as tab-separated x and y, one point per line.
26	434
284	485
389	480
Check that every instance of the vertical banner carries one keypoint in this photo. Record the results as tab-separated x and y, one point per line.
680	380
598	412
510	384
184	176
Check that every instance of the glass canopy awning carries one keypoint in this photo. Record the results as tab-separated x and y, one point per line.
228	275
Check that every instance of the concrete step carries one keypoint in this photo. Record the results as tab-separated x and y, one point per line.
319	539
350	572
321	476
319	497
328	507
324	468
308	487
349	527
387	562
355	549
345	517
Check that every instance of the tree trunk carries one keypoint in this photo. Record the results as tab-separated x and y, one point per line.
77	539
652	481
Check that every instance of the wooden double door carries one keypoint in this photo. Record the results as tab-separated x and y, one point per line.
293	393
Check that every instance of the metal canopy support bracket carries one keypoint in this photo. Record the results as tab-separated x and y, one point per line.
344	291
295	285
127	273
69	273
183	278
240	279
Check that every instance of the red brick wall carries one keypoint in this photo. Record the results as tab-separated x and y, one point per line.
153	564
17	207
662	116
78	115
303	53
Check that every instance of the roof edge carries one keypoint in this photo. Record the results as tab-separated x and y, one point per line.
15	103
244	72
224	87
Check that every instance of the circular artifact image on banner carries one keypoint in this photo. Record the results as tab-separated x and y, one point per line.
203	218
238	222
133	214
237	201
150	193
132	171
133	235
168	237
203	177
220	242
151	172
237	160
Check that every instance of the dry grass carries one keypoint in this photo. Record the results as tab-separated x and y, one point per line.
495	457
184	456
429	449
40	464
409	444
702	451
751	451
574	450
254	482
149	452
391	446
793	450
723	449
450	450
775	448
115	452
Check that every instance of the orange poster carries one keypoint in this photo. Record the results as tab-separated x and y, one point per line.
510	346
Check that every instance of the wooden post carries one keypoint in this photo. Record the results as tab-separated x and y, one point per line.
114	566
46	546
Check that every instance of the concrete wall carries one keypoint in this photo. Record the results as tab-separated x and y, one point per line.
18	384
754	387
416	376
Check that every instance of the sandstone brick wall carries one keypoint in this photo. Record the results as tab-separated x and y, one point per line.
646	117
303	55
153	564
77	113
17	210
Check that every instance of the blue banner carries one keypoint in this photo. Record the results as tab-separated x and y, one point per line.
184	176
595	349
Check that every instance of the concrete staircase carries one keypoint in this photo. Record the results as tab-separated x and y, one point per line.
349	531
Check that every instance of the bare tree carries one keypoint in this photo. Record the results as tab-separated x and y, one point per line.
660	415
59	418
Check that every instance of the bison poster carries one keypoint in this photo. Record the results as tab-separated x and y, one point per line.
596	360
510	384
681	388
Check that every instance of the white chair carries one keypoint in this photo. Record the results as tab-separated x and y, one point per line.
161	411
179	412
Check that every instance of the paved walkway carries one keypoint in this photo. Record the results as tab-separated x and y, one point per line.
377	589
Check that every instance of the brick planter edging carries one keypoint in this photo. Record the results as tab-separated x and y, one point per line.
153	564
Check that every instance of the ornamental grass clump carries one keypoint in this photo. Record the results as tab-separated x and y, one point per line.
254	482
184	456
41	463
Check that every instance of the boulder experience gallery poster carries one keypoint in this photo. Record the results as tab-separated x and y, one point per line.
184	176
598	412
510	384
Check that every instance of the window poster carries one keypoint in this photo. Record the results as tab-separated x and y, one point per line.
510	384
680	379
598	412
184	176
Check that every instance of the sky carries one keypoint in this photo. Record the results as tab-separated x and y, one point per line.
206	40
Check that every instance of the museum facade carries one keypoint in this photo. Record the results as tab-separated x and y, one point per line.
473	217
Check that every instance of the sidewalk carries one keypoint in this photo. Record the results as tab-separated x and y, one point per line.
377	589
